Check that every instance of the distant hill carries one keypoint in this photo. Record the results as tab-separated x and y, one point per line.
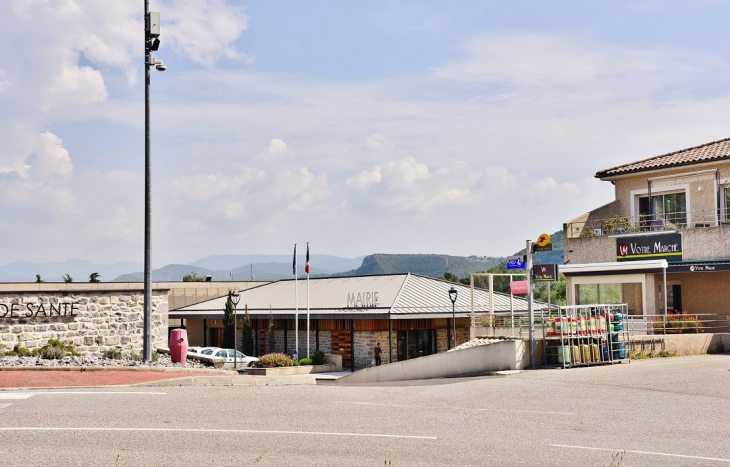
427	265
261	272
323	262
53	272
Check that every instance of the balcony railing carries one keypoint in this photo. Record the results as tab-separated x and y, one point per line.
648	223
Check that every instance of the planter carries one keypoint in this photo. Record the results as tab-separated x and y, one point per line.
291	370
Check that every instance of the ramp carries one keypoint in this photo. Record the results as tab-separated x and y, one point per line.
497	356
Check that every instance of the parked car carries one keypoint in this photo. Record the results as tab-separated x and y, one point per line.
242	361
201	350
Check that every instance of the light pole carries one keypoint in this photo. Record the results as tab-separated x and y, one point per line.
151	43
236	298
452	295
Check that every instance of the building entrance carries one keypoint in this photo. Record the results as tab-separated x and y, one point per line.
416	343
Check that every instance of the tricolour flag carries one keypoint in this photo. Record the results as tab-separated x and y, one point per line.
306	267
294	264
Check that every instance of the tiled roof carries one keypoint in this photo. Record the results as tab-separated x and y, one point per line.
714	151
398	294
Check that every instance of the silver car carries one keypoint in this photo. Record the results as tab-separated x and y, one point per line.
242	361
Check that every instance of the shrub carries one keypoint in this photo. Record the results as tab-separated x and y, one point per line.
318	357
112	354
295	362
52	353
21	351
305	361
56	350
135	357
273	360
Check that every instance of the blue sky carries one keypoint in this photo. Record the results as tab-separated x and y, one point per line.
362	127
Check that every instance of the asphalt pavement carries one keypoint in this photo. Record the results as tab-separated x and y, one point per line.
659	412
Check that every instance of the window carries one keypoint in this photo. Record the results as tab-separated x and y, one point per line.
670	208
727	203
593	294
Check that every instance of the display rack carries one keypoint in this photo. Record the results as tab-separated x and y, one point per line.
584	335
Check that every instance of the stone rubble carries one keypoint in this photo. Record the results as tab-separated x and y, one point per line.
163	361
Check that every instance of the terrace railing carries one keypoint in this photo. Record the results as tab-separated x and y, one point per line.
648	223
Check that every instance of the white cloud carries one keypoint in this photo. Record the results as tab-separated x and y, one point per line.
277	146
379	143
365	178
203	31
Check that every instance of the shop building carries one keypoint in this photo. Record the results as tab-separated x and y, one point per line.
410	315
663	244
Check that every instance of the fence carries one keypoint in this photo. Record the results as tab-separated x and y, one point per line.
648	222
518	325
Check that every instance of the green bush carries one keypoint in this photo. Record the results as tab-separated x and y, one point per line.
318	357
21	351
273	360
135	357
295	362
112	354
305	361
56	350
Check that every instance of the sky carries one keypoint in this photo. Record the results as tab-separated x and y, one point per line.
461	128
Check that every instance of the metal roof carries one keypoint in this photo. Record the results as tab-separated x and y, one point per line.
400	295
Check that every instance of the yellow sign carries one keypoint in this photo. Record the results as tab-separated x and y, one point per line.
543	239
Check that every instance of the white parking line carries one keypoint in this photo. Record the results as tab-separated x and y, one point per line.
26	395
205	430
442	407
648	453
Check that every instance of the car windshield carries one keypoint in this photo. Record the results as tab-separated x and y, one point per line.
240	355
222	353
232	354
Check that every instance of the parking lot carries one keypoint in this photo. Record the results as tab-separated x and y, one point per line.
671	411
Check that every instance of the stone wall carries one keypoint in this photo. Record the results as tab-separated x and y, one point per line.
365	343
92	322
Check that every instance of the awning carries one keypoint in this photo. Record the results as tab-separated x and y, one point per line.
605	269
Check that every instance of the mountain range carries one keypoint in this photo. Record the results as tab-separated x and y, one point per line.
273	267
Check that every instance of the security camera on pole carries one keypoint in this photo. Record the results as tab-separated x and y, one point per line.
151	43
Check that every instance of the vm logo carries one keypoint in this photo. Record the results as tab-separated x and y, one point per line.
623	249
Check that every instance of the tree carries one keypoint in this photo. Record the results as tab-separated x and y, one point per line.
229	339
38	279
67	278
94	277
193	277
451	277
246	336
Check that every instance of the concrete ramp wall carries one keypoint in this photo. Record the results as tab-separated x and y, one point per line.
498	356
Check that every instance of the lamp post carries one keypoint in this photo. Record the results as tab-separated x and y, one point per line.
151	43
236	297
452	295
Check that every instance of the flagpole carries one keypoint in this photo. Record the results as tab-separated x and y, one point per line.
307	268
296	306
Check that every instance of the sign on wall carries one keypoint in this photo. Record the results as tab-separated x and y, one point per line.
663	246
518	287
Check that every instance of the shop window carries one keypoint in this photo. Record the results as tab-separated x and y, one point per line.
592	294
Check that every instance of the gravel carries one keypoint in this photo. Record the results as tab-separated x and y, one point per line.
162	362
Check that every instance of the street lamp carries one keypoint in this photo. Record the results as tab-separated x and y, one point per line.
236	298
151	43
452	295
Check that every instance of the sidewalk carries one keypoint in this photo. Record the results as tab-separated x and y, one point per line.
52	377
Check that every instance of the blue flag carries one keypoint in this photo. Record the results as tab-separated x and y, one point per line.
294	264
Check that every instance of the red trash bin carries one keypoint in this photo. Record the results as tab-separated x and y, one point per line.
179	345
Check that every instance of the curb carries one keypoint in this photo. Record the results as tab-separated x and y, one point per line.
117	368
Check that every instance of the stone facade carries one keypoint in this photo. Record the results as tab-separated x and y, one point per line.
93	322
365	343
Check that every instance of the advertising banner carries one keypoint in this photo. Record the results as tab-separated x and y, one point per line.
663	246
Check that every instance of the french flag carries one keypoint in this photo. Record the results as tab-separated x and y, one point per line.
306	266
294	264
